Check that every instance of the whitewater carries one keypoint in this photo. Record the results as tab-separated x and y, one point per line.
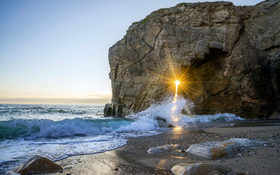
60	131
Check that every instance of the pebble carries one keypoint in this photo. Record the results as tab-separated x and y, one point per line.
239	154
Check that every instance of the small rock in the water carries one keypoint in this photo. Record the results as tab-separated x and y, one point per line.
161	122
199	169
108	110
159	149
170	126
217	150
39	164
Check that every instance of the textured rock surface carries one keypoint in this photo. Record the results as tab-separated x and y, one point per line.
216	150
108	110
39	164
230	56
200	169
162	148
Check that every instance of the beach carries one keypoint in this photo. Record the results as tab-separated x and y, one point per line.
133	158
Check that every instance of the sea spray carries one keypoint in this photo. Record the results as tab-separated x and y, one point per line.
167	110
171	111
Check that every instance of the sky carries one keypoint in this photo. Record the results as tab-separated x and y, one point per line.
56	51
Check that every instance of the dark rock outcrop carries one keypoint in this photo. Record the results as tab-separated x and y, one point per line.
228	57
108	111
39	164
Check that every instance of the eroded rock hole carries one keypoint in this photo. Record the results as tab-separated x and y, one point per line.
204	77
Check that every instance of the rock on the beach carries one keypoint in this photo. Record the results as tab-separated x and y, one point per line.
231	54
159	149
217	150
200	169
39	164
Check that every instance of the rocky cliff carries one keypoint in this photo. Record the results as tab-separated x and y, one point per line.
227	56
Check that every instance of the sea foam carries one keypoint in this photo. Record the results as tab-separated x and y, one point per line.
171	111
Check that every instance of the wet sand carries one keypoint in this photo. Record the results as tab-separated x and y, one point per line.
134	159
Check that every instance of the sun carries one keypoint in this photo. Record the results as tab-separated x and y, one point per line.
177	82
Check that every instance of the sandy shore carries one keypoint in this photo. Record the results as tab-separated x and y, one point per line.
134	159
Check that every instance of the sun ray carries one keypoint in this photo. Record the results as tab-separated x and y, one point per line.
177	83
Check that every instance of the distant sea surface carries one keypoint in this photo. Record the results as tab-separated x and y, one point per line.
60	131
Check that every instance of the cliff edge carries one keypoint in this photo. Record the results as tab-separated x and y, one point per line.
227	56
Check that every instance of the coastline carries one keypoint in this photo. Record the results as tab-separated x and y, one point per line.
133	158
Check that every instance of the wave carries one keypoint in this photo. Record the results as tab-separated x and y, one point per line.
43	128
167	112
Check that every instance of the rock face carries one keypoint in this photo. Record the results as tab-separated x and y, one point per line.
39	164
227	57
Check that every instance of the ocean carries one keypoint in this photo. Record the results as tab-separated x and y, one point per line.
60	131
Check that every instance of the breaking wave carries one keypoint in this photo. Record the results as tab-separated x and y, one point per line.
168	112
43	128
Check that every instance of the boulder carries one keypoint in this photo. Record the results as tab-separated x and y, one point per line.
217	150
226	55
200	169
108	111
39	164
162	148
161	122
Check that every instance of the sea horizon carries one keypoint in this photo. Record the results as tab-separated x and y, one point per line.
70	101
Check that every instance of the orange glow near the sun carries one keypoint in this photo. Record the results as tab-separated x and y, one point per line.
177	79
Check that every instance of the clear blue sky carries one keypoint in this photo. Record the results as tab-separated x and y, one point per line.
58	49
